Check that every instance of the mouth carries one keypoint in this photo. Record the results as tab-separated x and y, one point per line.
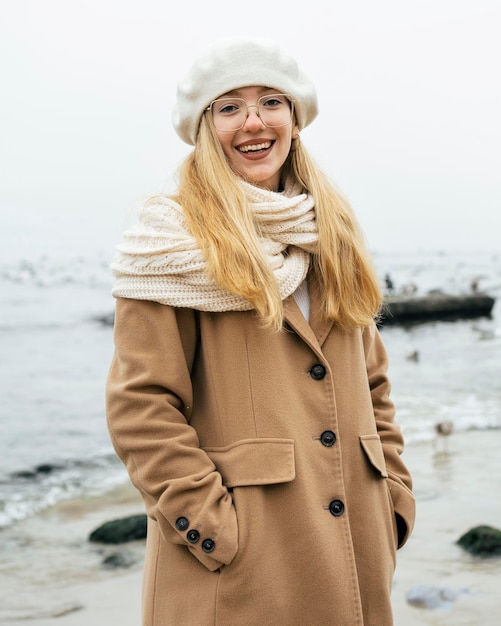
255	148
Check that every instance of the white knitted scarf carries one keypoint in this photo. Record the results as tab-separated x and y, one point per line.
158	259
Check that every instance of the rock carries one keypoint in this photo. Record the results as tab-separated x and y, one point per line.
107	319
432	597
119	559
47	468
121	530
482	541
66	609
24	474
40	470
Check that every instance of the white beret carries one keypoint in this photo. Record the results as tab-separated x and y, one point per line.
233	63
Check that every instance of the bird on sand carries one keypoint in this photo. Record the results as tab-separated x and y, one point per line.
444	430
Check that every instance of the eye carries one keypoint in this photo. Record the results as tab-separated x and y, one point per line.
227	107
274	101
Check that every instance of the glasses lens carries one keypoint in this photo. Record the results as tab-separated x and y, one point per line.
229	114
275	110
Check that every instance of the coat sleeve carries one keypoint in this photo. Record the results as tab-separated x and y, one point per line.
148	403
390	433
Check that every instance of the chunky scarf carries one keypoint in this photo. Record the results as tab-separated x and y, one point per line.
158	259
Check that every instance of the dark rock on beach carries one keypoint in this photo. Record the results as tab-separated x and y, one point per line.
482	541
39	470
120	559
121	530
46	468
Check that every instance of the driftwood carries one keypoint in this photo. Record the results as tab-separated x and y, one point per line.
435	307
404	309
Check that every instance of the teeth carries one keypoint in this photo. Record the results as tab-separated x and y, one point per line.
256	147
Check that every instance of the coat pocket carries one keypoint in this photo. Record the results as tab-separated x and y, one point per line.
373	448
264	461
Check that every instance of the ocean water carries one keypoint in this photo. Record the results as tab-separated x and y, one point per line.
55	354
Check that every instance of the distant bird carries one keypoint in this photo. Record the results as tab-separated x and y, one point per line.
485	333
390	287
444	430
413	356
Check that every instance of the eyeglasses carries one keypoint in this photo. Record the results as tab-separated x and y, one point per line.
230	114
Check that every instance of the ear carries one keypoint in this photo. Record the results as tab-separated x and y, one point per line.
295	131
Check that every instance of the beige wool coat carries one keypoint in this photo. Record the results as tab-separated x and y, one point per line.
269	464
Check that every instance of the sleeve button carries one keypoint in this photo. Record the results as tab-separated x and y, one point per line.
208	545
193	536
182	523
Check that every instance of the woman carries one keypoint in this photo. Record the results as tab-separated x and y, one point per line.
248	394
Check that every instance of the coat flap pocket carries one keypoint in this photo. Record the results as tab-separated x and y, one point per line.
374	451
255	462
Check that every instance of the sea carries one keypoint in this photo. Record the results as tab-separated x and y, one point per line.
56	349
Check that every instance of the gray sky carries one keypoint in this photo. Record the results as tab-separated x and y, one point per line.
409	124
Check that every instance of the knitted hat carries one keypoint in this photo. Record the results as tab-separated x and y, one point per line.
237	62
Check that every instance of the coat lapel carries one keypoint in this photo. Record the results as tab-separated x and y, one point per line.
316	331
319	323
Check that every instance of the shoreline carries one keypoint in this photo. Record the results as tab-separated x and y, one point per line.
457	481
51	572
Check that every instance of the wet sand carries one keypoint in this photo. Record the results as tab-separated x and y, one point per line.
52	576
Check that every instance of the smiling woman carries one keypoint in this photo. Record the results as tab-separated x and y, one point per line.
248	394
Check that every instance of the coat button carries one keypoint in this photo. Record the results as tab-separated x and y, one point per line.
208	545
193	536
182	523
317	372
336	507
328	438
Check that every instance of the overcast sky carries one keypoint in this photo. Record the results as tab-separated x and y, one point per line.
409	124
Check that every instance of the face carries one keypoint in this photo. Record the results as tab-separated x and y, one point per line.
257	152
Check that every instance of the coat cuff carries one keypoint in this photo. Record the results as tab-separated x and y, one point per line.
404	505
213	545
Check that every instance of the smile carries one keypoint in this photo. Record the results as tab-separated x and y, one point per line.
256	147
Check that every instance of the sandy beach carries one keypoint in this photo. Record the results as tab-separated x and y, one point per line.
457	486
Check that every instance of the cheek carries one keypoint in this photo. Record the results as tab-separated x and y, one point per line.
225	142
229	152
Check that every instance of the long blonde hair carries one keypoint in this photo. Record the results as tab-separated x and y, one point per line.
220	219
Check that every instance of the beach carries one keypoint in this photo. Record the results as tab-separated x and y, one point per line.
457	484
60	478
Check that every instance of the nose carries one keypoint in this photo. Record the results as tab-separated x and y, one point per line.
252	122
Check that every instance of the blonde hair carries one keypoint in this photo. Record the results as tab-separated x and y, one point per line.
220	219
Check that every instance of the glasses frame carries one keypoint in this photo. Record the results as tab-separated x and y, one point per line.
256	106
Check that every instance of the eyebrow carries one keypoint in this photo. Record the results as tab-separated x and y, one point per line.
261	90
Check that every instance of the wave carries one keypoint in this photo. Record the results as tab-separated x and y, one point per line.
26	492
